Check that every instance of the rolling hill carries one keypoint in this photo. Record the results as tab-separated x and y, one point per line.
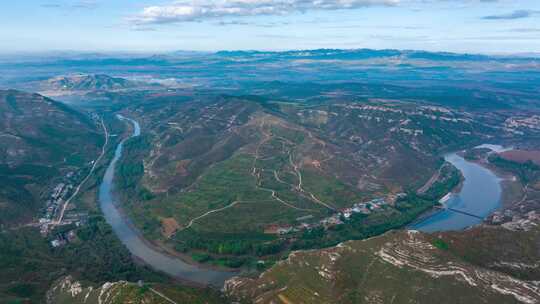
41	141
69	291
82	82
403	267
268	165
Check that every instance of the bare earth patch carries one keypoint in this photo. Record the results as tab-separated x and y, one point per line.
169	226
522	156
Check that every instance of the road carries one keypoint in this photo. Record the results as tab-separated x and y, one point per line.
66	203
163	296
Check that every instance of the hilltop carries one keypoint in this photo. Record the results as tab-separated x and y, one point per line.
88	83
70	291
277	169
403	267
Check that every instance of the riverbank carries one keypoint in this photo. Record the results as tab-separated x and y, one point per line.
480	195
436	208
178	265
164	248
149	253
134	128
512	189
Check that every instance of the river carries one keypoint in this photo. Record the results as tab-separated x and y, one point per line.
133	240
480	195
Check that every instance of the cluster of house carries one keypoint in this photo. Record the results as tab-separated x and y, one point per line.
54	205
79	218
532	122
499	217
366	208
515	220
523	222
62	239
338	218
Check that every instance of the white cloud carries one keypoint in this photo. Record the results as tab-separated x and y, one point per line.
194	10
518	14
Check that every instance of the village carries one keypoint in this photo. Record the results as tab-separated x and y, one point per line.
339	218
58	211
53	215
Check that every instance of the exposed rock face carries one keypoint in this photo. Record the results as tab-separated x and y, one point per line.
398	267
415	252
527	222
68	290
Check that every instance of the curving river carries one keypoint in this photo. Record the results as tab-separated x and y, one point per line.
480	195
132	239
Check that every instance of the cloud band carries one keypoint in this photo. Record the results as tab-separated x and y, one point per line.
184	11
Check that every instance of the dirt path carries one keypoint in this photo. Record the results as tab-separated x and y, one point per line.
284	299
274	195
296	169
210	212
276	176
255	172
299	187
162	295
525	194
430	182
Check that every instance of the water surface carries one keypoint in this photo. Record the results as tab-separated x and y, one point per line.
479	195
133	240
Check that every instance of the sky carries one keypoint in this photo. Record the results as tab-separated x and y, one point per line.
154	26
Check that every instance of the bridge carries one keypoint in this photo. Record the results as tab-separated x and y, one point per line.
460	211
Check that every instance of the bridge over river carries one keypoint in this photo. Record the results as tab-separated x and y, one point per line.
444	207
479	196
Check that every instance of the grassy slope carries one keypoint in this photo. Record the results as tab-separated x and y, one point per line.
40	141
29	265
231	153
355	273
126	292
492	245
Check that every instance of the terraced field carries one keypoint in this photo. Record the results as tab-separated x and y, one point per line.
69	291
229	170
374	271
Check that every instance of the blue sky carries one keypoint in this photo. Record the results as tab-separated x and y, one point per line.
479	26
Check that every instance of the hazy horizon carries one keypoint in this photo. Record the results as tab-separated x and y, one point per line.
161	26
131	53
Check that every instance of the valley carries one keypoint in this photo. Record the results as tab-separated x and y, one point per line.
286	159
137	188
42	149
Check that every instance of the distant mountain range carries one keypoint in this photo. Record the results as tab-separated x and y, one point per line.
358	54
88	83
162	59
